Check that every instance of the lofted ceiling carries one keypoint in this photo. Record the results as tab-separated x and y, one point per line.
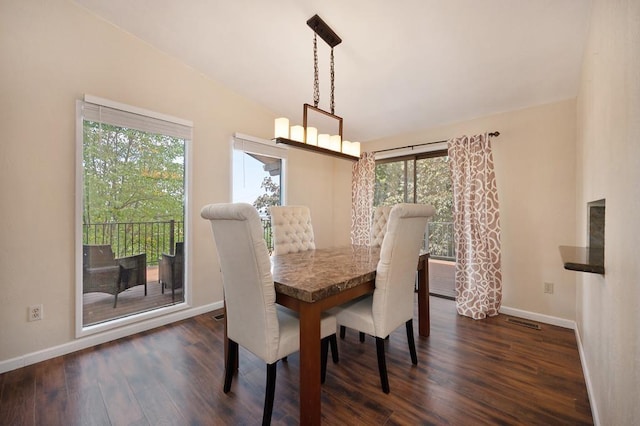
403	66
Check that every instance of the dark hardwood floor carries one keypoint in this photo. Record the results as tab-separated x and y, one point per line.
468	373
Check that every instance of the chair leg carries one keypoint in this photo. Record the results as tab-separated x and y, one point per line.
324	354
342	331
382	364
232	354
412	342
361	337
269	394
334	348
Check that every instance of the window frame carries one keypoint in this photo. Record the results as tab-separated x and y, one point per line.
80	329
251	144
414	158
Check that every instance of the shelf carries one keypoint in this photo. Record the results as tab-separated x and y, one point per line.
317	149
583	259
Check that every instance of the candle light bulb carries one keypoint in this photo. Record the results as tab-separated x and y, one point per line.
281	128
297	133
312	136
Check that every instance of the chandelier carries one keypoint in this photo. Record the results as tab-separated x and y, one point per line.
321	131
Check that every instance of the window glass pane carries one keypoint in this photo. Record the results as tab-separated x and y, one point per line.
434	188
132	221
257	180
410	179
390	183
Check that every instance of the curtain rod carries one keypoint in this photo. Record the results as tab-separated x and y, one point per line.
492	134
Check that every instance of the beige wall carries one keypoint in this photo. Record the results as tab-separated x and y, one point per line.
53	53
608	306
534	158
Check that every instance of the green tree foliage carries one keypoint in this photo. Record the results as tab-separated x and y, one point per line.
131	175
391	183
434	186
271	196
395	184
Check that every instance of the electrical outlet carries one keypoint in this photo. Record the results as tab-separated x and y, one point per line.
548	288
35	313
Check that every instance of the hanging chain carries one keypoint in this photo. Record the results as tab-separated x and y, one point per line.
333	77
316	81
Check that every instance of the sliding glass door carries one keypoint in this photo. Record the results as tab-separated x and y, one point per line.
424	178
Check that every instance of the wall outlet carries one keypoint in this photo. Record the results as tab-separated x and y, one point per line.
548	288
35	312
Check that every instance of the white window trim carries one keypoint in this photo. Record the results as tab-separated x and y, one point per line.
81	330
255	145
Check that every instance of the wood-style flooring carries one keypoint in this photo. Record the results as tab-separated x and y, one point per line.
468	373
98	307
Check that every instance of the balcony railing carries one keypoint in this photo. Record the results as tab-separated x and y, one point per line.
266	232
129	238
439	240
155	238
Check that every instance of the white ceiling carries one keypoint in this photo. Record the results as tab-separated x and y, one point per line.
403	65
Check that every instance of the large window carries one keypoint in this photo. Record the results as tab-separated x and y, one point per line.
423	178
131	210
258	176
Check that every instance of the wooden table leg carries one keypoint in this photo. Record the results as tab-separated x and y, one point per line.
424	321
309	364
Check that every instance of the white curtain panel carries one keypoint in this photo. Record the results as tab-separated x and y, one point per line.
362	184
477	227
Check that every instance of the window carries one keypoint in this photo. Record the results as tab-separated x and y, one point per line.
422	178
258	176
131	210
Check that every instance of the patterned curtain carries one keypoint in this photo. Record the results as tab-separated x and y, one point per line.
362	183
476	227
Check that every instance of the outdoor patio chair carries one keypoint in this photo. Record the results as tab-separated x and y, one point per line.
103	273
172	270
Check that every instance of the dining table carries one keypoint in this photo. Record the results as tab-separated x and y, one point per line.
313	281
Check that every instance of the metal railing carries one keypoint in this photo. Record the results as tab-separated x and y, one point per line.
155	238
266	232
129	238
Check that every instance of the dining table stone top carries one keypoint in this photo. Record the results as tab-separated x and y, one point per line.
314	275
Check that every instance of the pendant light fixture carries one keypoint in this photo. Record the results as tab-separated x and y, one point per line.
307	136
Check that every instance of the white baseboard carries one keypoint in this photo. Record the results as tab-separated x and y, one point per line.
534	316
587	379
107	336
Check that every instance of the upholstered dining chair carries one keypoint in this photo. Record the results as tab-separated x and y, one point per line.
392	301
379	224
292	229
254	320
292	233
378	229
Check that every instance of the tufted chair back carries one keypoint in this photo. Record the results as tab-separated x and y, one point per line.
292	229
379	225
